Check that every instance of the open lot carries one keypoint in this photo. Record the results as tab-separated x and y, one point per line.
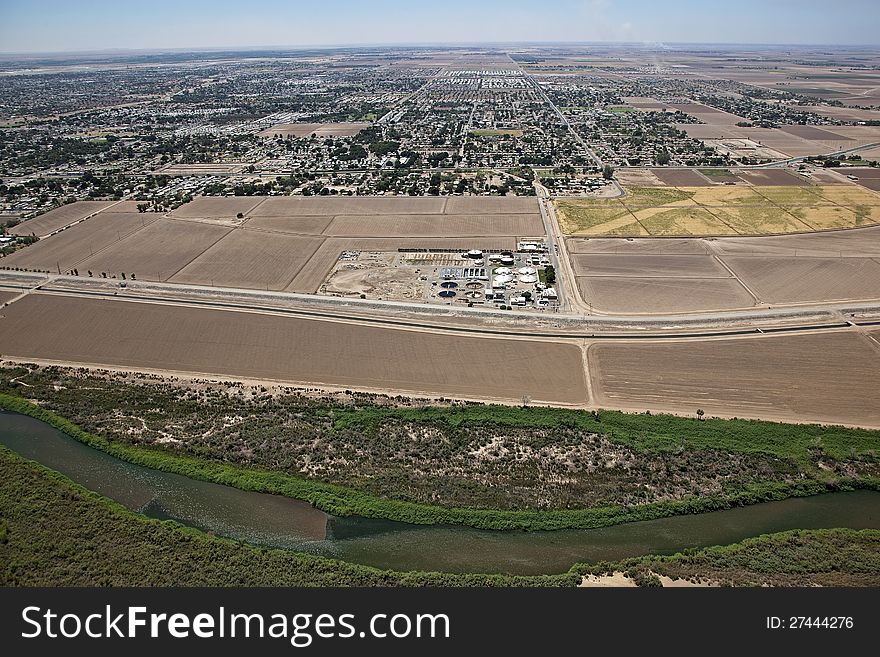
780	204
261	346
59	218
816	377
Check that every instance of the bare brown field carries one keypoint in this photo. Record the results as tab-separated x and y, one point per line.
637	178
771	178
844	113
59	218
803	279
670	246
6	296
215	207
458	225
317	129
630	294
863	242
156	252
813	133
294	206
868	177
681	177
491	205
67	249
250	260
647	265
310	277
259	346
829	378
297	225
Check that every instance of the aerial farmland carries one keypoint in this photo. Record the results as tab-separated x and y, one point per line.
551	198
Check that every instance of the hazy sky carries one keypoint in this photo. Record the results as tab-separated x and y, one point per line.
64	25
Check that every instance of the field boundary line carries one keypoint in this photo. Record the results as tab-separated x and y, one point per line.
201	253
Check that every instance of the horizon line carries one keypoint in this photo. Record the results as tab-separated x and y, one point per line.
414	44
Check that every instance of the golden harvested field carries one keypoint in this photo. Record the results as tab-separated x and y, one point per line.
829	377
247	259
67	249
721	210
253	345
682	221
157	252
58	218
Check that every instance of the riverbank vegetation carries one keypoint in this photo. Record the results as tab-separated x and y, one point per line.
54	532
482	465
820	557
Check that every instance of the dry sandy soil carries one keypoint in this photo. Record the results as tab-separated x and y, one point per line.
58	218
817	377
156	336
